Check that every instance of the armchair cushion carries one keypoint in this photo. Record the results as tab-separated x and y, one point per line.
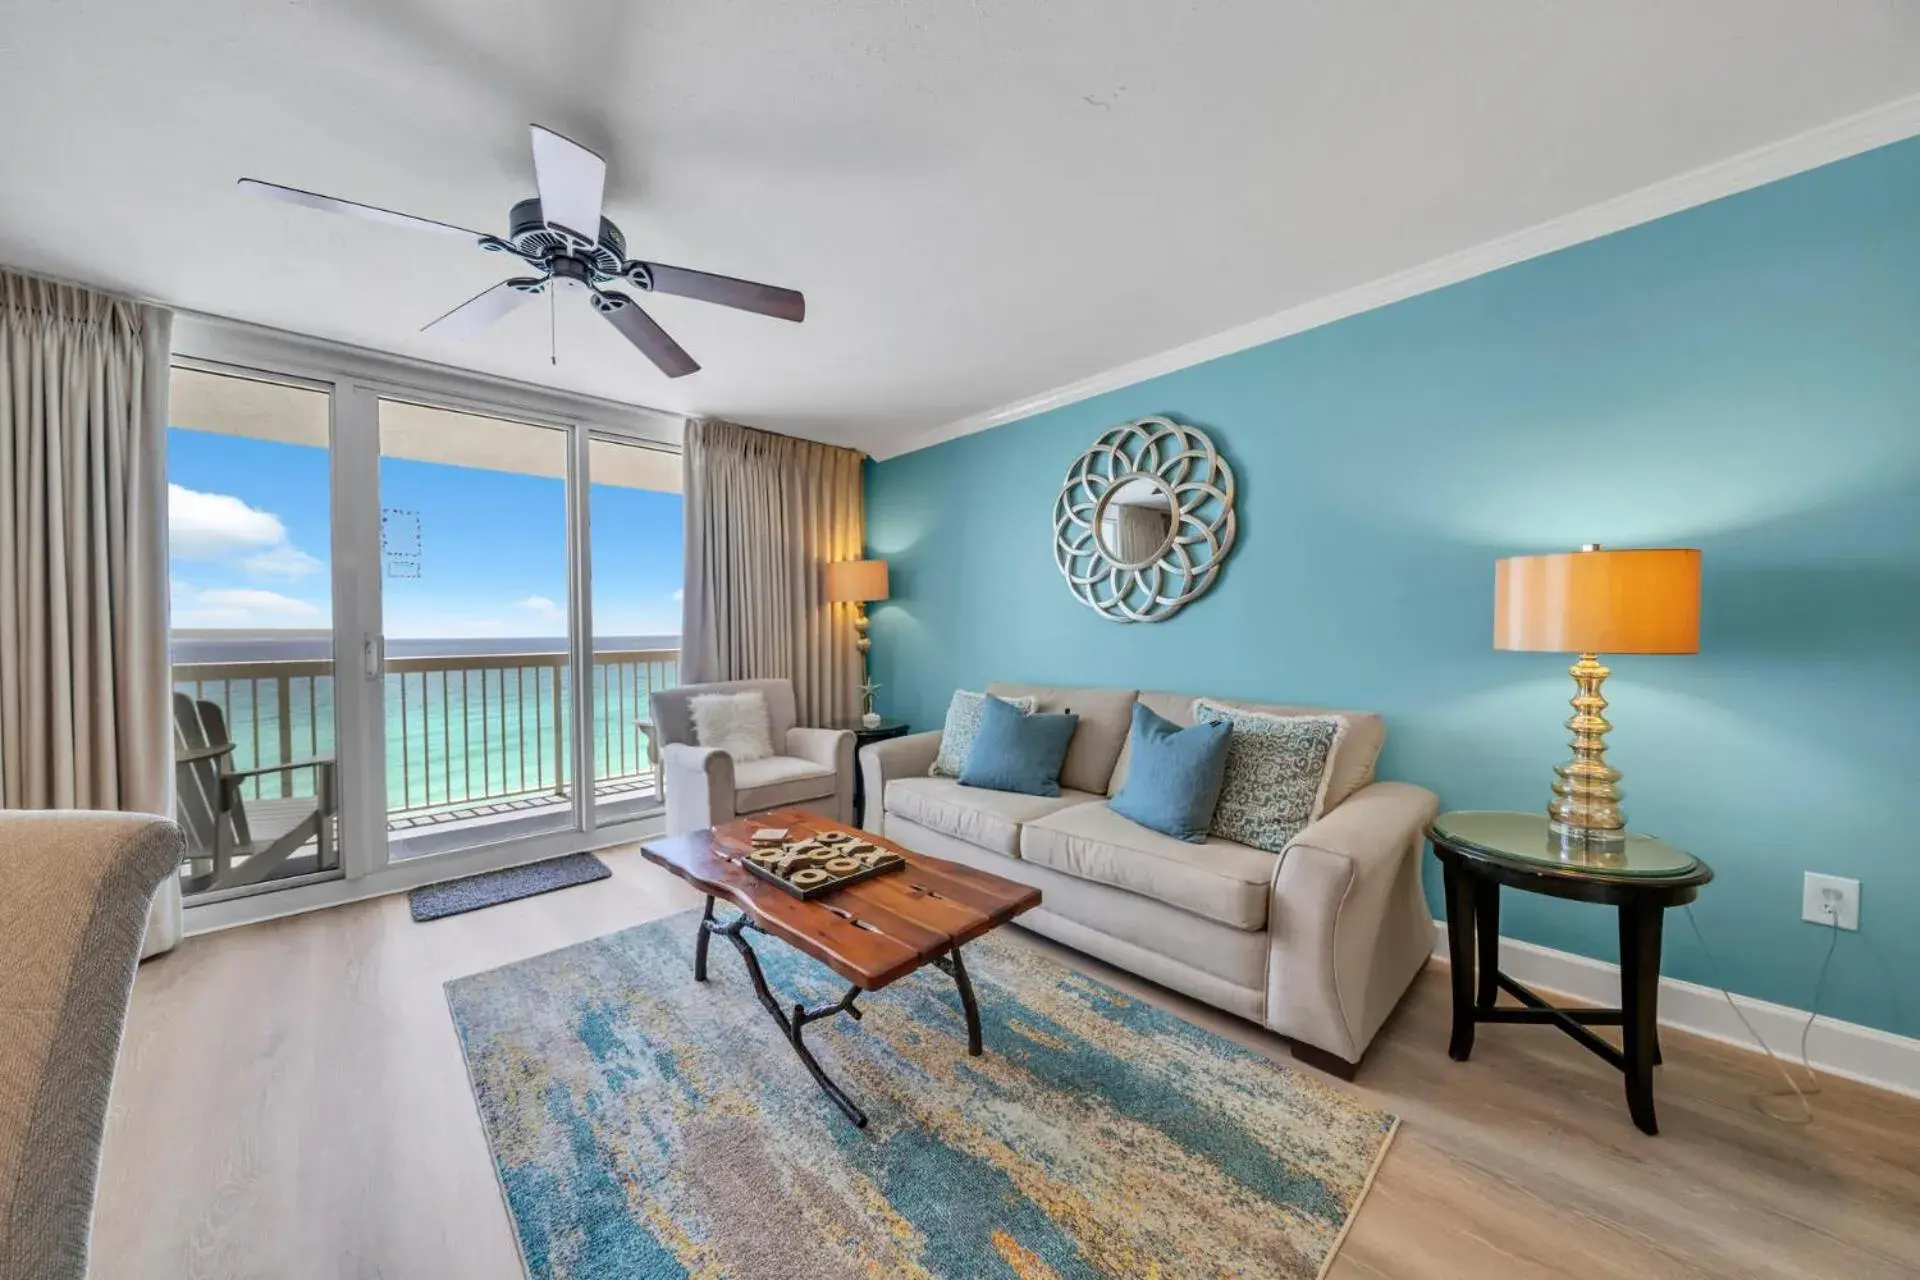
779	780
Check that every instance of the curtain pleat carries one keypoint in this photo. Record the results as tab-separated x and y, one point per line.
83	624
765	514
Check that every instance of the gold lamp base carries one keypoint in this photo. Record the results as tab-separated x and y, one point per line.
1585	809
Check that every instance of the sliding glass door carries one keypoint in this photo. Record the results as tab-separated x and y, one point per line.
636	529
249	480
475	583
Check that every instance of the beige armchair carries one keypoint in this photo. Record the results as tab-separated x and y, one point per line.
74	889
706	786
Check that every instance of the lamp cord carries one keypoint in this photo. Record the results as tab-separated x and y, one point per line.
1762	1102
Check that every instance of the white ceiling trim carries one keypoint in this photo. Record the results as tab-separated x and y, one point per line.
1848	136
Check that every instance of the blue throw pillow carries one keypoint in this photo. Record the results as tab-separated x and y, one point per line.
1014	752
1173	780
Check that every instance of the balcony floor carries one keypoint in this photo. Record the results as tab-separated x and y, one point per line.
637	792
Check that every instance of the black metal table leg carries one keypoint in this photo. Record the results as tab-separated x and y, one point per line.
1460	908
956	968
791	1026
700	942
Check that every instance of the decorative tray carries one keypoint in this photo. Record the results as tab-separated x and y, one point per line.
819	864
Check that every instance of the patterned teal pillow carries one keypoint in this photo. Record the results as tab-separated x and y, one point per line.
963	721
1277	771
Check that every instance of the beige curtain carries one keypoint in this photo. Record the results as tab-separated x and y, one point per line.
83	559
765	514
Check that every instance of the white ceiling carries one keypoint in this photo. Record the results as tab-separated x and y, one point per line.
981	201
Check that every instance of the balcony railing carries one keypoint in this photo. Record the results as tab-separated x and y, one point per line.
461	730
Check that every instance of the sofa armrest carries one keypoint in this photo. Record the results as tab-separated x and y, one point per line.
832	748
700	787
908	757
1349	922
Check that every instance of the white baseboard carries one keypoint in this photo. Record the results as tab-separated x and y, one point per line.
1847	1049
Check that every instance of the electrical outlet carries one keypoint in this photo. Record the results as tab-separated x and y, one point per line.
1830	900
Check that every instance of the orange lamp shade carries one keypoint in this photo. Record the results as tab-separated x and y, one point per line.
856	580
1598	601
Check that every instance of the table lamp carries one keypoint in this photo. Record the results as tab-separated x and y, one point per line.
1589	602
855	582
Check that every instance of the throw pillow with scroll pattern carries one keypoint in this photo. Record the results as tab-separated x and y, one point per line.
1277	772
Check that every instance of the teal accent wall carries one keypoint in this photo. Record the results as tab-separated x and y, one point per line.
1743	377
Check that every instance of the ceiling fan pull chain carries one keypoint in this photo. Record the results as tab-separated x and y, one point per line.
553	341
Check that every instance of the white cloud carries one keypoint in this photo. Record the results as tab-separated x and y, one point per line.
541	605
679	593
219	526
214	526
243	608
283	561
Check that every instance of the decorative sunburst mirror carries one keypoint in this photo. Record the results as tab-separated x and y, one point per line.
1144	520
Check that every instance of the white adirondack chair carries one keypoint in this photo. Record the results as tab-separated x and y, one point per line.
232	841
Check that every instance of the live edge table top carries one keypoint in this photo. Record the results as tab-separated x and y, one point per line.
870	933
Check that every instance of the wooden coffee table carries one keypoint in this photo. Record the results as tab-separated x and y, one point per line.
872	933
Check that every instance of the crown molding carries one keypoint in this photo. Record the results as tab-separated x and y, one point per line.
1848	136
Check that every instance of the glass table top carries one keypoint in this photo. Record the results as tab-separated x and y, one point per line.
1524	837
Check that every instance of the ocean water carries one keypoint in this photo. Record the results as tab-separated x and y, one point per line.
466	721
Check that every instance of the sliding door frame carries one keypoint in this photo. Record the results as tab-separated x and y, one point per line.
358	380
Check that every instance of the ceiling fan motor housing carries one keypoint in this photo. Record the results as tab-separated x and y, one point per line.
530	237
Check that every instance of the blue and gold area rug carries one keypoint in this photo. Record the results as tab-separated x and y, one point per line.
645	1125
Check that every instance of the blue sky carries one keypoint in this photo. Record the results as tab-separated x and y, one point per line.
251	545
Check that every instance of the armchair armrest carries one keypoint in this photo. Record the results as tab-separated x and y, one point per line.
700	786
323	788
880	762
1349	923
832	748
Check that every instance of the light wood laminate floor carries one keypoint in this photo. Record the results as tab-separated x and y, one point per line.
291	1102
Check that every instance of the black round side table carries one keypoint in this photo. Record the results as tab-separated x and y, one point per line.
862	736
1480	851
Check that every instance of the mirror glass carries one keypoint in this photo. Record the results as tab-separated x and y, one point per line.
1135	521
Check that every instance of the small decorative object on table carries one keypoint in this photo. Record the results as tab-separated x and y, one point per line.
818	864
1480	851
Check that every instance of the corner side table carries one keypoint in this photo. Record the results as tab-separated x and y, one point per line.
1479	851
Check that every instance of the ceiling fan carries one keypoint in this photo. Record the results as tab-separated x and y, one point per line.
562	236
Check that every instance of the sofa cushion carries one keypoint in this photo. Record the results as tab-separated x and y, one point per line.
1105	716
1176	787
963	722
1277	773
1353	759
989	819
1219	880
1015	752
772	781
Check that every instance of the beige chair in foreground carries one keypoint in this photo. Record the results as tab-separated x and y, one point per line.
706	786
74	890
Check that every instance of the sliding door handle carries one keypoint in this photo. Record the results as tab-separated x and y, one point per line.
373	657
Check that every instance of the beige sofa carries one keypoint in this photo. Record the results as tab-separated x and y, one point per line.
1317	943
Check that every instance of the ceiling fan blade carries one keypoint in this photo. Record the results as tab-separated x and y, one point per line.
624	314
572	182
481	310
373	213
745	295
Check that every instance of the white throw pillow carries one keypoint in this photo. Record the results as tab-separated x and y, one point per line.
737	723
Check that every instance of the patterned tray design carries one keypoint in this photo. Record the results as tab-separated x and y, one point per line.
831	860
